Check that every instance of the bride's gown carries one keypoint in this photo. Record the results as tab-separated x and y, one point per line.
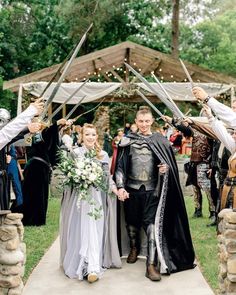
88	245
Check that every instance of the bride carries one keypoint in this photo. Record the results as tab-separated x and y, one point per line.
88	245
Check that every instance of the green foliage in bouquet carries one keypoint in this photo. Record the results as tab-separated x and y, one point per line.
82	173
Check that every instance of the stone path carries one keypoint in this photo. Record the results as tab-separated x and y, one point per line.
48	279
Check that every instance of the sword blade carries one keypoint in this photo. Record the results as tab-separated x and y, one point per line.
67	100
149	102
166	102
57	72
64	73
177	110
187	73
74	108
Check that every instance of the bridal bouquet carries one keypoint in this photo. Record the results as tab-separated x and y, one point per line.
82	173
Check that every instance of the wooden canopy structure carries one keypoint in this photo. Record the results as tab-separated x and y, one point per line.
108	65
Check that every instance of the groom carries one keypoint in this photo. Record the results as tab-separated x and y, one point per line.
148	183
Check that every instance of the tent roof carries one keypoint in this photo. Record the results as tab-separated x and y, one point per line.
109	61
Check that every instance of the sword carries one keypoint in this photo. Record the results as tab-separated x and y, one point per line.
74	108
58	71
187	73
166	102
152	106
150	103
189	78
65	71
181	115
66	101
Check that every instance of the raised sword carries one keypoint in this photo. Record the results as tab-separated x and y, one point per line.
64	73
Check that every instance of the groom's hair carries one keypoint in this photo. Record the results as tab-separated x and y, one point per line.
143	110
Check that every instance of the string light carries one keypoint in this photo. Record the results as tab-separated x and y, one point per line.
140	70
125	59
160	70
99	69
99	75
134	63
76	79
113	67
124	71
89	73
171	76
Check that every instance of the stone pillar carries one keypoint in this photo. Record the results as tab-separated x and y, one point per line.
12	253
101	121
227	252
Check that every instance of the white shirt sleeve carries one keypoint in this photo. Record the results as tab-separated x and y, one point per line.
223	112
13	128
223	135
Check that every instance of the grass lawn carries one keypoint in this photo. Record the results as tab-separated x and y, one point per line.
39	239
205	243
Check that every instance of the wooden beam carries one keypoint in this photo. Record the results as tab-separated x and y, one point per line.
127	57
116	54
106	77
116	75
148	68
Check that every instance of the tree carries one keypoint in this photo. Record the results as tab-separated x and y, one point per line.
32	37
212	43
175	29
7	99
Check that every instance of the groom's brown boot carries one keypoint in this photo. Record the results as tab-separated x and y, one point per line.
133	255
152	273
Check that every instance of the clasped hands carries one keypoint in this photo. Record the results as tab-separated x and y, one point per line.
123	194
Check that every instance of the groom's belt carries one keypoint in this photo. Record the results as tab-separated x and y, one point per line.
136	184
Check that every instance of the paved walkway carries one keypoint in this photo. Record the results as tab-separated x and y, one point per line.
48	279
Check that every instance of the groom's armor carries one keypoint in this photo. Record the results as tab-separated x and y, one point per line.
143	168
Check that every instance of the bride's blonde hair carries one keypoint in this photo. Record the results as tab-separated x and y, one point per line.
97	145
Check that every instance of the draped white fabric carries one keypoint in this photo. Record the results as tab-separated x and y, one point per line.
95	90
92	90
182	91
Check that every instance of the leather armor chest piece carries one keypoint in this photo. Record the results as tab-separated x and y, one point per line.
232	167
201	148
143	167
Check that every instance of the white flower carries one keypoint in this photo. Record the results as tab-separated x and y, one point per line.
88	168
78	172
92	177
80	165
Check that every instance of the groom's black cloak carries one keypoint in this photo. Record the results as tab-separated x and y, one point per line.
172	226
